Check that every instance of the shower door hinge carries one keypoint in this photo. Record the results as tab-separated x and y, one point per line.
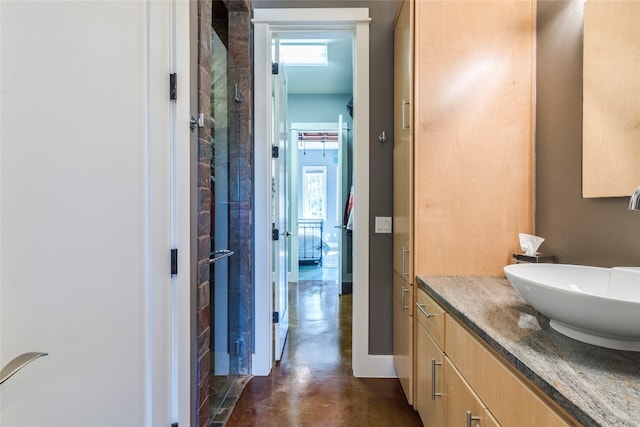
174	424
276	317
174	262
275	151
237	94
274	68
275	234
173	86
196	123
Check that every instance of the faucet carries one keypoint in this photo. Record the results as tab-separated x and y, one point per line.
634	203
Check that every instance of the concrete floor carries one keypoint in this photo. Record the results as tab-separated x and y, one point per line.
313	385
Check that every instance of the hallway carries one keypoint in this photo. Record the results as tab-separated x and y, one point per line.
313	385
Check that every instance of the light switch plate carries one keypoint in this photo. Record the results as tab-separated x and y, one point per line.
383	224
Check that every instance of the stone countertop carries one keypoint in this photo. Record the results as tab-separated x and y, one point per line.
597	386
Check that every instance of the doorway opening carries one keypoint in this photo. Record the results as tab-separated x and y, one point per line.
323	182
312	81
354	24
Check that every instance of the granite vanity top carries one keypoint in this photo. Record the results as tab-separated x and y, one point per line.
597	386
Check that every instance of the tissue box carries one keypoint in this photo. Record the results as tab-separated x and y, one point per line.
538	258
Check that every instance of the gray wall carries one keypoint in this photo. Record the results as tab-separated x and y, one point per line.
382	13
600	232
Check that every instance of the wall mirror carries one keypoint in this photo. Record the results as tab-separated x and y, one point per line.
611	98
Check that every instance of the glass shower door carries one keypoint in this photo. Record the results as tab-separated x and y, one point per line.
223	119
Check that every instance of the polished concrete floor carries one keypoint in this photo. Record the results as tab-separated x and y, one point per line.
313	385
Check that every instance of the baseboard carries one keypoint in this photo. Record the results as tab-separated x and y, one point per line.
375	366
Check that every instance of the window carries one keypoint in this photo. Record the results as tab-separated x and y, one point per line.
302	52
314	192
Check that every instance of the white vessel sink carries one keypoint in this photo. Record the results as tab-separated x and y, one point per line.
600	306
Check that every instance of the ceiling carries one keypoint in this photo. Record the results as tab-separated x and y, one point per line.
337	77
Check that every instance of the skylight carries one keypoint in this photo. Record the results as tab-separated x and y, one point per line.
303	52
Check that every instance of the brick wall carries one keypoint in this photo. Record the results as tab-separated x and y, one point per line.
204	214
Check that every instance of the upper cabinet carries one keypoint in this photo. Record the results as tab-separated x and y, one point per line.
611	98
403	143
469	165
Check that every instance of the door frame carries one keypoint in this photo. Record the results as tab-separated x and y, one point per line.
266	23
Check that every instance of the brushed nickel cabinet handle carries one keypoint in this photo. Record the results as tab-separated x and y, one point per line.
404	253
433	379
470	418
404	306
404	104
421	308
18	363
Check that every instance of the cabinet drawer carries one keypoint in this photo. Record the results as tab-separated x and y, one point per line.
462	405
512	400
431	316
429	397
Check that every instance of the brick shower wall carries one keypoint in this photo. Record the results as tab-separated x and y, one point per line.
240	180
204	215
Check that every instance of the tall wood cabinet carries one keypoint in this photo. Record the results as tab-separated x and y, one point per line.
473	159
464	114
402	200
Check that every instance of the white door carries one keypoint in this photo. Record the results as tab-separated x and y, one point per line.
85	213
279	215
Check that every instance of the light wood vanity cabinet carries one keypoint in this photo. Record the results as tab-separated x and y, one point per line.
477	387
511	400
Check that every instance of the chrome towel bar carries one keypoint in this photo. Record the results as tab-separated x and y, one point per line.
220	254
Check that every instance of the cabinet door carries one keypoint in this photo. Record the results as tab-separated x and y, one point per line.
461	405
403	143
403	72
429	385
403	334
473	148
402	219
431	316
